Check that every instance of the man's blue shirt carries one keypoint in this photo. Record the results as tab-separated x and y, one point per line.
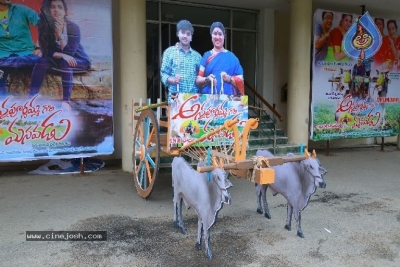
185	64
19	40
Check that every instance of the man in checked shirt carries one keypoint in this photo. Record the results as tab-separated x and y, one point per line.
180	63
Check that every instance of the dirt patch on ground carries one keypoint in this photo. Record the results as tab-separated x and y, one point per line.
316	253
154	242
367	207
376	246
331	198
277	260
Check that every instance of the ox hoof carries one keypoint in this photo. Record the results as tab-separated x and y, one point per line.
198	245
300	234
287	227
209	254
176	224
267	215
260	211
182	230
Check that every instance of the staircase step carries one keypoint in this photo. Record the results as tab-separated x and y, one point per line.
264	117
280	140
266	125
266	132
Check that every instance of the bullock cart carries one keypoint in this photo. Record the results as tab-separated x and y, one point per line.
223	145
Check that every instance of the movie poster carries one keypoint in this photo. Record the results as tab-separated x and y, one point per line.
55	79
354	96
195	115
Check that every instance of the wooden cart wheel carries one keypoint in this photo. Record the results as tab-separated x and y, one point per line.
146	153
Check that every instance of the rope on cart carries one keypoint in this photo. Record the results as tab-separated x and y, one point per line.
258	163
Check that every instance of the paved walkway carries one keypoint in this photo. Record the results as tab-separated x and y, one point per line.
355	221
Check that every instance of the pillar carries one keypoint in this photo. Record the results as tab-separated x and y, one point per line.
132	53
299	84
266	54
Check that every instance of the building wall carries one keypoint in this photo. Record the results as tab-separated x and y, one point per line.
281	59
278	68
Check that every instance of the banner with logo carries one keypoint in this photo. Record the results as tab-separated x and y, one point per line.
195	115
55	79
355	76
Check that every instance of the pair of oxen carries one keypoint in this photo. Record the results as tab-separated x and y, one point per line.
206	194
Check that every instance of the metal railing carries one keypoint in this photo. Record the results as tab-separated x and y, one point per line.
261	107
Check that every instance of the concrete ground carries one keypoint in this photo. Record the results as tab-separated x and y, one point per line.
355	221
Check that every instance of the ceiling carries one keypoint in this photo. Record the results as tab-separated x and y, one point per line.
375	7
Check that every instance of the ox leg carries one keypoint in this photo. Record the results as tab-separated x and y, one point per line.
176	214
261	192
289	217
258	194
207	243
297	216
180	217
175	199
199	234
264	198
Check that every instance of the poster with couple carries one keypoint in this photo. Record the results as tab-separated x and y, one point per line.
55	79
355	76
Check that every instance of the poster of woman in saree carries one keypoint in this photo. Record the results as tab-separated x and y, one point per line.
322	35
335	50
388	55
380	56
220	70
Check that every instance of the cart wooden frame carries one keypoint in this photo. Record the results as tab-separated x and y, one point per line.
149	143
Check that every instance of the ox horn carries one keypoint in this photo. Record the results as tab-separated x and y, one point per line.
306	153
314	154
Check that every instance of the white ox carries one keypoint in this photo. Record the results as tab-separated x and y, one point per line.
206	197
296	181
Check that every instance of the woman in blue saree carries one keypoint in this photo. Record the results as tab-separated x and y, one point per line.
220	70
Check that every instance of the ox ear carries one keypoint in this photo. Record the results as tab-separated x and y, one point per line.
322	170
314	154
228	184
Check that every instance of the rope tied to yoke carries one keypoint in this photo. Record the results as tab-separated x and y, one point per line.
257	163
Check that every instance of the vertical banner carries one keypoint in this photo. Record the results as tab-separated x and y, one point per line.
355	76
55	79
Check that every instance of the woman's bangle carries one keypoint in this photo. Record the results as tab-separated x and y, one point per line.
207	80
